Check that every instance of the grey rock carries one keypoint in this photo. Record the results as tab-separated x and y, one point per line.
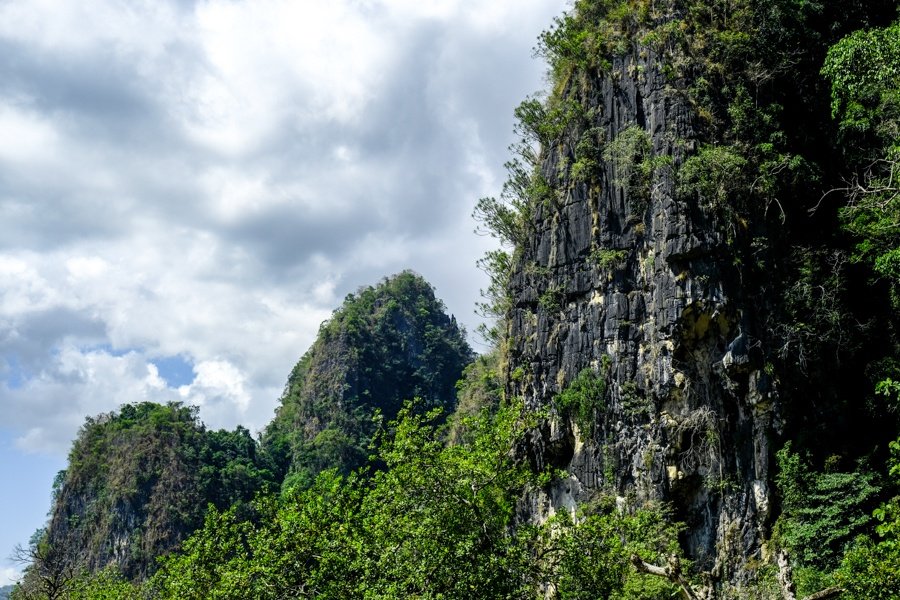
689	411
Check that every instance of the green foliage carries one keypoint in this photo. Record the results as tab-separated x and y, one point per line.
497	299
583	400
588	155
864	72
632	161
480	389
546	123
607	258
634	403
870	571
145	474
231	470
715	175
595	552
508	222
552	299
871	568
434	523
295	546
589	36
108	584
571	43
822	512
105	584
508	218
437	521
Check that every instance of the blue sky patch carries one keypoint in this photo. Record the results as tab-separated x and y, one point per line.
14	375
175	370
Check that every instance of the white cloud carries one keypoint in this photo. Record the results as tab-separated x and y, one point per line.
278	63
23	287
220	390
9	576
26	139
210	179
50	406
86	267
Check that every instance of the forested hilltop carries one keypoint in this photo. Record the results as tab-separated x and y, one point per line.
385	345
695	382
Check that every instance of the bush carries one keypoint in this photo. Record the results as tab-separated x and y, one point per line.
583	399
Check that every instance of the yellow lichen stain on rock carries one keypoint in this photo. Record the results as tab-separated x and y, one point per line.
697	322
701	326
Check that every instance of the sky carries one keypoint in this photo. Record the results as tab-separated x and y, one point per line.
189	188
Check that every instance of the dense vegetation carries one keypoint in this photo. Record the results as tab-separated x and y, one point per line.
357	491
435	521
385	344
138	483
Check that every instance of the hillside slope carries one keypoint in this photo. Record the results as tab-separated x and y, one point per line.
385	344
138	482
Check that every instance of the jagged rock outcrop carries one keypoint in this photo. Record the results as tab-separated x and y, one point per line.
627	276
385	345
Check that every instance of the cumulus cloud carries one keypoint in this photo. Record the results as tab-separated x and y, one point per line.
9	576
189	187
207	180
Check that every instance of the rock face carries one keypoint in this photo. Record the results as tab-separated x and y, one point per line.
138	482
635	281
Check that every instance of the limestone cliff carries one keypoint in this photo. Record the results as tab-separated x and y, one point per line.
646	258
138	482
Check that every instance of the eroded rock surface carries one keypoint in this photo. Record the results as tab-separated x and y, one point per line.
639	285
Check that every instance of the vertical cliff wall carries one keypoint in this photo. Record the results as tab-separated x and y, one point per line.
631	274
679	297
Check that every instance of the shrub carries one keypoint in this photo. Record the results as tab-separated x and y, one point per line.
583	399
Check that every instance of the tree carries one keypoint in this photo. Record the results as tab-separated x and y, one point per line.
49	568
864	72
608	550
438	521
822	512
871	568
299	545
